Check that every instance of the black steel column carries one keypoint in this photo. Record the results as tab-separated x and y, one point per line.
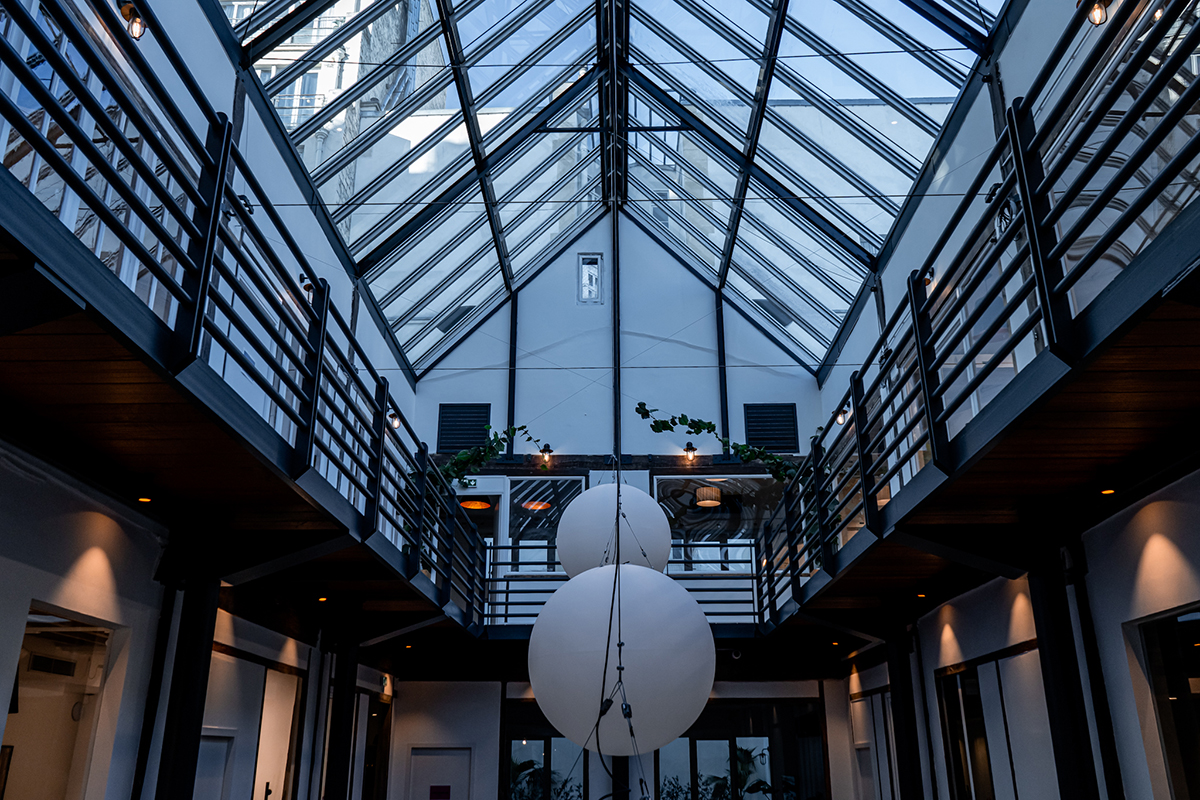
904	716
620	775
341	724
1069	733
512	368
722	372
189	687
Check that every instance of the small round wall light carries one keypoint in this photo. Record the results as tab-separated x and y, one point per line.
546	453
689	452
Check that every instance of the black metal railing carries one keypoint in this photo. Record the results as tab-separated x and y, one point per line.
1053	214
719	576
144	178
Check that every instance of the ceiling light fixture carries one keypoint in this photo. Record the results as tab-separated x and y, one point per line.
841	417
920	595
1098	14
1158	14
535	505
546	453
133	20
143	499
393	419
708	497
322	599
1108	491
690	452
475	505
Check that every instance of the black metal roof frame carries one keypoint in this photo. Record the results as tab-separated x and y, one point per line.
609	72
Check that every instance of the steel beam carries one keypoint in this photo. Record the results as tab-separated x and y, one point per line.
951	24
498	154
466	102
701	129
285	29
766	71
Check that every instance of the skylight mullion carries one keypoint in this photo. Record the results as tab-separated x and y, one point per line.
322	49
455	302
422	303
469	179
829	231
525	243
532	59
777	15
858	74
835	164
440	349
377	130
285	28
470	116
682	221
683	194
686	50
559	105
363	84
439	256
938	62
261	18
887	150
532	175
684	250
802	319
735	297
950	23
661	77
790	283
496	36
814	269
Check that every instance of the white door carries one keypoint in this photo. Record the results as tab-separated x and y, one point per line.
439	773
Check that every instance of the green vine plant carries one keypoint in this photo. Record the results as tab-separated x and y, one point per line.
470	461
781	469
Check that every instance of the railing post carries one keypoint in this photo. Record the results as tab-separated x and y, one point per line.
208	219
443	555
413	567
938	437
793	547
378	459
306	441
1047	272
861	440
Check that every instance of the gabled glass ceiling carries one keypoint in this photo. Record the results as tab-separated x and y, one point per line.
770	144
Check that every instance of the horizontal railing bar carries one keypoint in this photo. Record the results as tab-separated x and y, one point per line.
235	352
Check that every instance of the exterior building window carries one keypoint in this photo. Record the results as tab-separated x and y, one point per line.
964	734
537	763
591	290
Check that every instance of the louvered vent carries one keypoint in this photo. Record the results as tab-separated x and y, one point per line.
462	425
772	426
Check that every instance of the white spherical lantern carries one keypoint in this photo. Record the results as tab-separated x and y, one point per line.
669	660
586	530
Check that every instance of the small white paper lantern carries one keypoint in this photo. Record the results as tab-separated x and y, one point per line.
669	658
586	530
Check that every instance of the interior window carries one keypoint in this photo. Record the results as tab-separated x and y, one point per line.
1173	656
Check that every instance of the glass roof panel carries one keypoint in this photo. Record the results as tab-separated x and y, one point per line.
774	314
421	334
858	95
708	93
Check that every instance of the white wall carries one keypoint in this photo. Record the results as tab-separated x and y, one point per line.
1142	562
447	714
68	548
668	355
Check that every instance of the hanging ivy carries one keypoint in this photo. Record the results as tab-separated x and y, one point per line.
472	460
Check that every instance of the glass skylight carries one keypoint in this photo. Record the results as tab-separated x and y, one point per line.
459	147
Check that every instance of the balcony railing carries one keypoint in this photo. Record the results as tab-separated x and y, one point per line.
143	178
108	150
719	575
1052	216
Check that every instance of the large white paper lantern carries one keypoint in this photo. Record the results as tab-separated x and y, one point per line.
586	530
669	659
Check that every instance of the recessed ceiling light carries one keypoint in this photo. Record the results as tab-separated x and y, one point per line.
920	595
322	599
535	505
143	499
834	644
1108	491
408	647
